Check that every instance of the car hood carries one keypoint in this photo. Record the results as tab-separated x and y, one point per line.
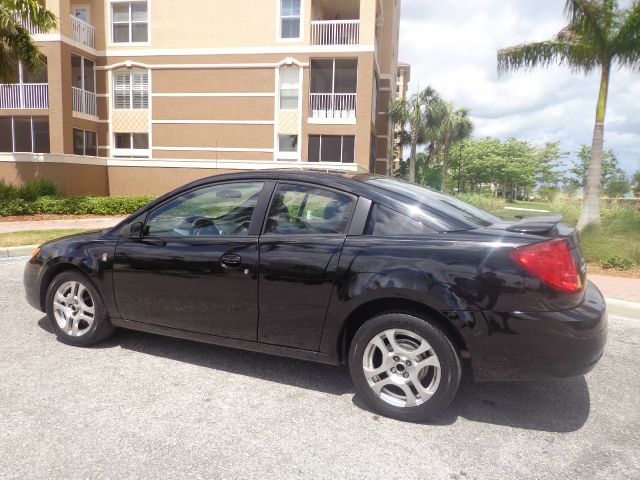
89	235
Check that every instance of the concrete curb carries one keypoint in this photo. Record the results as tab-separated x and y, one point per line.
17	251
623	308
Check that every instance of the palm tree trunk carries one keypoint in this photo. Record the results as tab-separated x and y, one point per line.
445	162
591	197
412	155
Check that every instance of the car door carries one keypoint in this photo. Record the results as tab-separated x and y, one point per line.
195	265
300	246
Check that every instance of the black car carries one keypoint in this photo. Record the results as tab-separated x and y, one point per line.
395	280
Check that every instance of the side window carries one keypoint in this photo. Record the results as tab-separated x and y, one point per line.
212	211
386	222
305	210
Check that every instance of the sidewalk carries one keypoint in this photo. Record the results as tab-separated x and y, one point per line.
88	223
617	287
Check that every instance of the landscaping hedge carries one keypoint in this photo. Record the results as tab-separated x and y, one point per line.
79	205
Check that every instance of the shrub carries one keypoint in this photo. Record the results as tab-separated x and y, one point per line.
618	262
488	203
36	189
78	205
29	191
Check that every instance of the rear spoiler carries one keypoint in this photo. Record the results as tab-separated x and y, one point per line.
538	225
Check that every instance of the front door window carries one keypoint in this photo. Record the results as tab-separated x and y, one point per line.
224	209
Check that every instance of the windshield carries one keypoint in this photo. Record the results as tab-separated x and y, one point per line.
451	207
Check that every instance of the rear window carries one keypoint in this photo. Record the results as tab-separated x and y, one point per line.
465	215
387	222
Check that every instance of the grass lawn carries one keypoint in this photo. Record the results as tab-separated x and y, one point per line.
34	237
618	236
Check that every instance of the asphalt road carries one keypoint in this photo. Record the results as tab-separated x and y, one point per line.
144	406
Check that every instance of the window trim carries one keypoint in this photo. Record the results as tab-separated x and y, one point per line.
84	141
112	42
33	138
341	148
131	153
266	191
279	18
277	184
130	90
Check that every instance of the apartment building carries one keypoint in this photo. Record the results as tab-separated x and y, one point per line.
141	96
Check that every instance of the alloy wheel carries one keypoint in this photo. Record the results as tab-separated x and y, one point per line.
401	368
73	308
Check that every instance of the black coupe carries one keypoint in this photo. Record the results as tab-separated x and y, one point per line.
395	280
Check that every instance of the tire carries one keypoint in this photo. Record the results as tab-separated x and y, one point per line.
404	367
71	298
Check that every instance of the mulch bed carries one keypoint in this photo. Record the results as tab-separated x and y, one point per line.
596	269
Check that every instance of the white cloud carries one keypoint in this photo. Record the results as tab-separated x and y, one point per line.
452	46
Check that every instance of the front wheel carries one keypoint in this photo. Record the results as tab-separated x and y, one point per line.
75	310
404	367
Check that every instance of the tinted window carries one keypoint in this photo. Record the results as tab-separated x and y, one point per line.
387	222
304	210
464	216
22	134
6	134
224	209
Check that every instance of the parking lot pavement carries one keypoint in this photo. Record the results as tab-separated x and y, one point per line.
144	406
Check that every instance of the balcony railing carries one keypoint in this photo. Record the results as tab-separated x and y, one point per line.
84	101
335	32
332	105
26	23
82	32
24	95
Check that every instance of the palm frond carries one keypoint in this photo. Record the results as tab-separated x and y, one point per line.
626	44
577	55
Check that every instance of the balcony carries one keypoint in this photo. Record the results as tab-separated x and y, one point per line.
82	32
84	102
26	23
332	106
24	95
335	32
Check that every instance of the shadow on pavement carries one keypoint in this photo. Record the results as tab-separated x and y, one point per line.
550	406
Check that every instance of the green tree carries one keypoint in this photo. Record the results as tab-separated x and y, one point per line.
453	126
617	185
580	167
15	41
636	183
599	34
412	116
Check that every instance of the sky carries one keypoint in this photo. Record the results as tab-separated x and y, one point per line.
452	44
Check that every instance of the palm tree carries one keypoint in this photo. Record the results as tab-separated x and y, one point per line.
454	126
599	34
412	115
15	41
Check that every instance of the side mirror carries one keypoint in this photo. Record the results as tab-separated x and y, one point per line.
135	230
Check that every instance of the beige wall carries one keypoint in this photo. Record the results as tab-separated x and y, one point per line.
71	179
154	181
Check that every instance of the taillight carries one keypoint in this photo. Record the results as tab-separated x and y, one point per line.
551	262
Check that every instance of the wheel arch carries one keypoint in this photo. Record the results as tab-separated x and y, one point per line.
360	315
52	272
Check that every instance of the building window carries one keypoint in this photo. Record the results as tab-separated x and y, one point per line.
131	145
129	22
331	148
85	142
83	73
290	18
287	147
24	134
289	87
333	87
131	89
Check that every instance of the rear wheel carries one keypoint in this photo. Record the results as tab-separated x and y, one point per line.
75	310
404	367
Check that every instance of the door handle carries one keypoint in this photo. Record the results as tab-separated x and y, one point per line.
231	261
156	242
